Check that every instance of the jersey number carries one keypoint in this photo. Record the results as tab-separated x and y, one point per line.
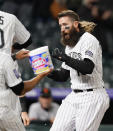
1	38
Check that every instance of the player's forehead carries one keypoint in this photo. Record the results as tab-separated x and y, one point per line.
65	20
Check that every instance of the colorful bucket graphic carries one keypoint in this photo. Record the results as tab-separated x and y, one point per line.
40	60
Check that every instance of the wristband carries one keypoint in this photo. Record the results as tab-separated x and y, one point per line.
13	56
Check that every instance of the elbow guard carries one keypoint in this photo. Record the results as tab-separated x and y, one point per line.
25	45
18	88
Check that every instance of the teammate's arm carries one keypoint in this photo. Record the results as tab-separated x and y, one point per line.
14	81
60	75
28	85
20	54
23	103
24	114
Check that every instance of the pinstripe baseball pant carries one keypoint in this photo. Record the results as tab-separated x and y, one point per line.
9	120
81	111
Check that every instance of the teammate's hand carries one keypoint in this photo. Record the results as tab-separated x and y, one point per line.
59	55
45	73
22	54
25	118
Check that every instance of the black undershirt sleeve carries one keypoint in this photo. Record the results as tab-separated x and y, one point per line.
60	75
18	88
21	46
23	104
85	66
13	56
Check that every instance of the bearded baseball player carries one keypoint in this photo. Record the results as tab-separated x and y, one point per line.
84	108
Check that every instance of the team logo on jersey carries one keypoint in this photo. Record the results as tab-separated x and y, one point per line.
89	53
16	73
75	55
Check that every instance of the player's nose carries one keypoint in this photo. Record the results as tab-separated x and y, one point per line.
62	29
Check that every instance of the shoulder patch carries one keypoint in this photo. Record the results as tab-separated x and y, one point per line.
89	53
16	73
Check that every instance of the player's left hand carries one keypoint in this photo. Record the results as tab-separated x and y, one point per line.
22	54
45	73
59	55
25	118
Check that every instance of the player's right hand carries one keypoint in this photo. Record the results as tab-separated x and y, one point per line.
25	118
22	54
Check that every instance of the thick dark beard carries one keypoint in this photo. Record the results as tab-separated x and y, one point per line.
74	37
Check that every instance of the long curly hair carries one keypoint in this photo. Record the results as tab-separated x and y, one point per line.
85	26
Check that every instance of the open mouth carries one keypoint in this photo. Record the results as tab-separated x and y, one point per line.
66	35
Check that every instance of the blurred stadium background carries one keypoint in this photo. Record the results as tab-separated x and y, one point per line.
39	17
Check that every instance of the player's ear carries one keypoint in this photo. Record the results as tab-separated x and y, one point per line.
76	24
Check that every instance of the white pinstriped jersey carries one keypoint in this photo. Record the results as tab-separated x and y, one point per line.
18	105
87	47
9	77
11	31
83	111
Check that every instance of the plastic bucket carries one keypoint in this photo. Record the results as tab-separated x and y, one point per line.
40	60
